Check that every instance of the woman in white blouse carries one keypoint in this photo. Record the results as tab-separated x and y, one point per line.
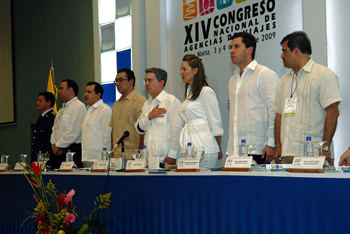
200	112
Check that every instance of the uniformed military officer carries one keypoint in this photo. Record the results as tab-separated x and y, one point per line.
43	127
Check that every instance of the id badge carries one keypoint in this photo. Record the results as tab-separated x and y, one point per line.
290	106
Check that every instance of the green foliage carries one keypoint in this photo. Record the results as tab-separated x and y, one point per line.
49	218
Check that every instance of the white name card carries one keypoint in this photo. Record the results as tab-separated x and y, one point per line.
135	164
238	162
153	162
3	166
100	165
188	163
308	162
67	165
18	166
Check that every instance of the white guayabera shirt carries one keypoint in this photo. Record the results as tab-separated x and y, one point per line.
95	131
251	99
67	126
162	133
317	87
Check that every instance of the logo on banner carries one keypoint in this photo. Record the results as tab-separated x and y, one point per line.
221	4
205	7
189	9
257	17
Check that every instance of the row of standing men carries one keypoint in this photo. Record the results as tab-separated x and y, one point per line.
275	115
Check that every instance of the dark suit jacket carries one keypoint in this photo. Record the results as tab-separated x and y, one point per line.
41	135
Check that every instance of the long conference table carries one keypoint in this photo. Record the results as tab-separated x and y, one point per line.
194	202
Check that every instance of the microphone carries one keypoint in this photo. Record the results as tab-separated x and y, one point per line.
125	135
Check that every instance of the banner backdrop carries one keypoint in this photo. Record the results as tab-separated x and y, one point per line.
205	27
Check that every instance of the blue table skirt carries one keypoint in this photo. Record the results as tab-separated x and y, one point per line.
194	204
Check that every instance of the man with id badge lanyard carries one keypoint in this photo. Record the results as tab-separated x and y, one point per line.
306	101
66	131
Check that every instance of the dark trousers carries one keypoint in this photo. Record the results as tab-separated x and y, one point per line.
258	159
56	160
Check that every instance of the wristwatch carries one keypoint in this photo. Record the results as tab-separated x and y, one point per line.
325	148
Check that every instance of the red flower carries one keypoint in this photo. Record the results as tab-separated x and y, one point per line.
40	218
47	230
36	199
36	168
35	185
60	201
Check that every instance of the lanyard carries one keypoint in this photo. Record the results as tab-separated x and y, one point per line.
296	85
65	107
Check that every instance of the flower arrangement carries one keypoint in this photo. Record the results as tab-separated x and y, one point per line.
56	213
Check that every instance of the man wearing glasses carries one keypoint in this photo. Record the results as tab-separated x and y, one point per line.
160	120
125	112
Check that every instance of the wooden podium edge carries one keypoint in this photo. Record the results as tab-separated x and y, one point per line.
135	170
236	169
3	170
99	170
65	170
188	170
18	170
305	170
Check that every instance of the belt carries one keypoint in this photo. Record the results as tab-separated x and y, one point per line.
184	136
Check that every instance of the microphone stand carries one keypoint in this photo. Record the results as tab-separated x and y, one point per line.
123	167
123	150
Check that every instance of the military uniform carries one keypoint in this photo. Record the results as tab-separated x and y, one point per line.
41	135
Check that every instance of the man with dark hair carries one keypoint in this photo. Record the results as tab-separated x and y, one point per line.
129	74
97	88
160	120
96	134
73	85
252	90
125	112
43	127
306	101
66	132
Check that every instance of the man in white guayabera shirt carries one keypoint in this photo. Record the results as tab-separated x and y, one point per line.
160	120
252	90
306	102
66	131
95	129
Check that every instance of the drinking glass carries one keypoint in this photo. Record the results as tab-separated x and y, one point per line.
22	157
250	148
136	154
321	143
47	158
198	151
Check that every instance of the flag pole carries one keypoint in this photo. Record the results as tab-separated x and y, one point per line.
51	87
